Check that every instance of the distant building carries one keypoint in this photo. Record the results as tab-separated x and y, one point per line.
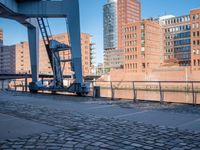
110	24
1	37
117	13
177	47
92	58
110	32
143	46
195	39
127	11
16	58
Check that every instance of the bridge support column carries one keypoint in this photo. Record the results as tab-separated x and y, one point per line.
33	37
75	39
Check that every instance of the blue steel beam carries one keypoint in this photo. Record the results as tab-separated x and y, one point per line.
21	10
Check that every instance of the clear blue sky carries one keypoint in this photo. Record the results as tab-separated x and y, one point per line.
92	19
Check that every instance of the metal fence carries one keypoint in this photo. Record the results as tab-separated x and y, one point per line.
162	91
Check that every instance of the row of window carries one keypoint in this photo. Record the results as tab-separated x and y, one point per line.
182	35
195	26
130	57
178	28
196	52
182	42
134	49
196	34
196	62
177	20
178	42
169	50
131	66
131	36
183	56
196	42
130	43
130	29
182	49
195	16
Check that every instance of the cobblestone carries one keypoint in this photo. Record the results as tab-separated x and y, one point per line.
88	132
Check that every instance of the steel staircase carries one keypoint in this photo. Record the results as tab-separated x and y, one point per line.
53	48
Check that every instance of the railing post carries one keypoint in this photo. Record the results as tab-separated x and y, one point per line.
42	80
22	86
93	90
161	93
9	86
26	83
15	85
2	84
112	91
134	92
193	95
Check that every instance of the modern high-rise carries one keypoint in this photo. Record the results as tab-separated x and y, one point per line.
117	13
195	39
1	37
16	58
127	11
110	24
110	34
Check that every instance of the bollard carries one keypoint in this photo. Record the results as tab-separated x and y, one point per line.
96	92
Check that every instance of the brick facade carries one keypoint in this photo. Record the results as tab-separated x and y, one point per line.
16	58
127	11
195	39
143	46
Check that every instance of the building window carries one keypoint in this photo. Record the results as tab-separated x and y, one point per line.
193	26
194	62
194	33
197	25
198	62
194	42
193	17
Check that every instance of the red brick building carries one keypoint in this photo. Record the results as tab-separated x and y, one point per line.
127	11
195	39
117	13
16	58
143	46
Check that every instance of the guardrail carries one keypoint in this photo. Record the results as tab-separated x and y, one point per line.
161	87
162	91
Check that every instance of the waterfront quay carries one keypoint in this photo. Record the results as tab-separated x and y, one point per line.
44	121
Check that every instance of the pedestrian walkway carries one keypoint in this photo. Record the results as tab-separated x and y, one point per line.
69	122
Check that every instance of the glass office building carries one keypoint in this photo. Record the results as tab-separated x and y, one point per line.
110	24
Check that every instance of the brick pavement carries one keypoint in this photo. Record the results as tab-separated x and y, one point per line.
84	131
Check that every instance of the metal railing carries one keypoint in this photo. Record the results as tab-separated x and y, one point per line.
162	88
162	91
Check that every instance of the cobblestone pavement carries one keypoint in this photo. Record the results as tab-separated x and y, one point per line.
84	131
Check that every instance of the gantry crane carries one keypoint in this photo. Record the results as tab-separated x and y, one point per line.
32	14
